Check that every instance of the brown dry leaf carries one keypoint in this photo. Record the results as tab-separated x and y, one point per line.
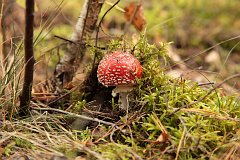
134	14
163	137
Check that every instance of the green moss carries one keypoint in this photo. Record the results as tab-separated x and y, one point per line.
115	151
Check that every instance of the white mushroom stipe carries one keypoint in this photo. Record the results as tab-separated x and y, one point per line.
123	100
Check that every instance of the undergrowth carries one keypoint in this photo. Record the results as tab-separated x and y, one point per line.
206	127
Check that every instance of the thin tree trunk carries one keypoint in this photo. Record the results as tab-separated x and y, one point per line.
29	59
84	28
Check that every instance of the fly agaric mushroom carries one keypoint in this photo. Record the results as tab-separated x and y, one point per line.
119	69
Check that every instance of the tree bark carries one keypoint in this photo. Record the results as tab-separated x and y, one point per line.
84	28
25	96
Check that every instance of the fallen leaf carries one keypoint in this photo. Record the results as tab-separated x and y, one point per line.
134	14
163	137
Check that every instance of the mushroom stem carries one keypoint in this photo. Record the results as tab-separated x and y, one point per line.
123	99
123	95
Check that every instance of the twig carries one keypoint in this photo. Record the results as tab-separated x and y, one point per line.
75	115
111	135
65	39
209	92
97	31
62	96
117	7
25	96
137	157
225	61
3	139
109	132
205	84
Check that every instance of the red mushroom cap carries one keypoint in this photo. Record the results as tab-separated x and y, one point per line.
119	68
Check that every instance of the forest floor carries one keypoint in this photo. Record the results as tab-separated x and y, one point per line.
191	61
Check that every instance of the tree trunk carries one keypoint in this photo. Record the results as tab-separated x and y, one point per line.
29	59
84	28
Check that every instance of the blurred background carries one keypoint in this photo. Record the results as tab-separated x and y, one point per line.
204	35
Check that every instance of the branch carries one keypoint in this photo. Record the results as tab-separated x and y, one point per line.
75	115
97	31
84	28
25	96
